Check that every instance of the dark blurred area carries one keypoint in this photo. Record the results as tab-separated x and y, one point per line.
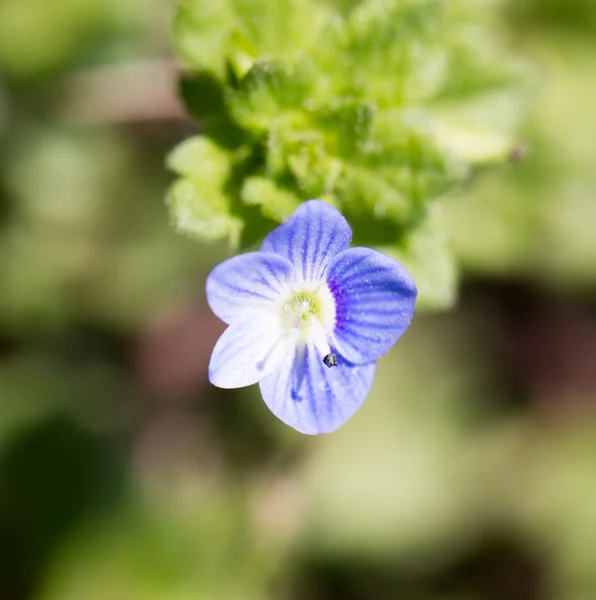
470	471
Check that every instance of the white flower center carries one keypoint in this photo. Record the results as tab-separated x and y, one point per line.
309	314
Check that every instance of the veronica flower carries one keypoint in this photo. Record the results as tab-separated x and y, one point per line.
308	318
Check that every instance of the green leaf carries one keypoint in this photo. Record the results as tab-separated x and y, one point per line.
203	94
474	144
284	28
482	130
427	255
202	211
348	126
363	190
316	172
198	202
375	50
199	158
314	155
276	202
270	92
201	31
404	171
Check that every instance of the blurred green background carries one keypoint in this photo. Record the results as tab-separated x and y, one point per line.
470	471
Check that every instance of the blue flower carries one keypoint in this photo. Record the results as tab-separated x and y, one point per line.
308	318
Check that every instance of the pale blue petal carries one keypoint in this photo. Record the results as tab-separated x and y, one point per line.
310	238
374	303
312	398
248	350
247	282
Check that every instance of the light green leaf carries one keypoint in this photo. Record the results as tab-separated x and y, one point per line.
198	202
314	155
316	172
348	126
202	211
476	146
276	202
363	190
200	159
284	28
270	92
427	255
404	170
375	50
201	31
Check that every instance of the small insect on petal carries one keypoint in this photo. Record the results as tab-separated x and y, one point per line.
330	360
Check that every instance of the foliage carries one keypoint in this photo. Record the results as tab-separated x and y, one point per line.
535	218
378	107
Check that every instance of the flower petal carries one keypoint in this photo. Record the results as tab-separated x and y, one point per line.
248	350
374	303
310	238
247	282
311	397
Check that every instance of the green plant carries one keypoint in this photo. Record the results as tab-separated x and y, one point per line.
378	107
